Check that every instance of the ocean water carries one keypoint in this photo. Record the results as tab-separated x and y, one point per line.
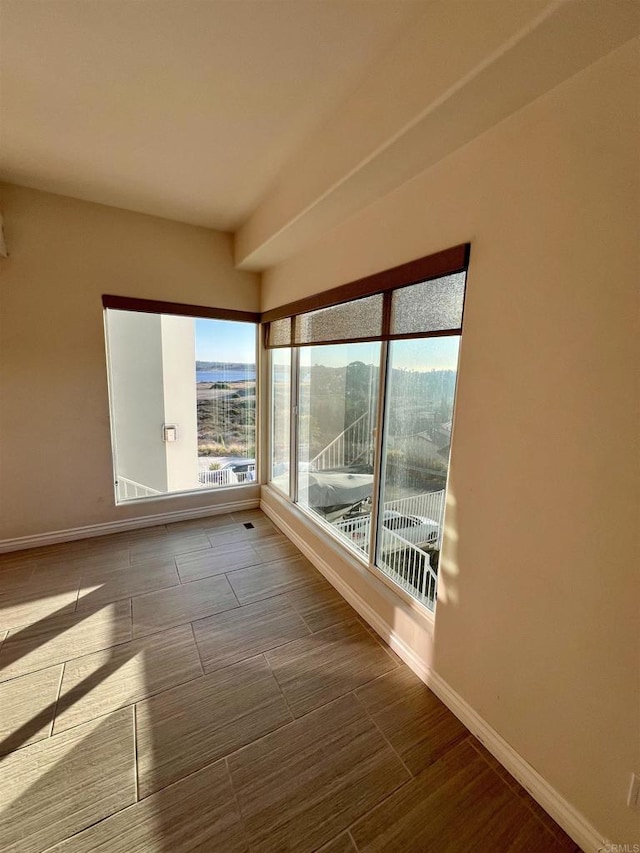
224	375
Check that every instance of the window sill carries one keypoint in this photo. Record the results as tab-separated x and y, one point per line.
190	493
283	510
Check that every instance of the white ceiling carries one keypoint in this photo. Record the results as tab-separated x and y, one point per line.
274	119
187	110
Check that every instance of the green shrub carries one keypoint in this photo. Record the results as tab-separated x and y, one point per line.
212	449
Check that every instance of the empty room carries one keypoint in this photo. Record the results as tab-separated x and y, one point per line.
319	446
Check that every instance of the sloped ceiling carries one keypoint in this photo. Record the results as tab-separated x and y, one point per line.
275	119
181	109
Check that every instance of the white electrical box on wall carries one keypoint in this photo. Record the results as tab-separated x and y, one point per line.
169	432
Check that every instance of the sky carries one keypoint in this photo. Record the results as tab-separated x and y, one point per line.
426	354
222	340
429	354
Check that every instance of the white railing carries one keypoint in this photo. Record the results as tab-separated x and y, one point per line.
223	477
340	452
127	489
408	566
428	505
227	477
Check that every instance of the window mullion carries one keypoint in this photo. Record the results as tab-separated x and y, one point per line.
377	452
293	424
386	313
263	410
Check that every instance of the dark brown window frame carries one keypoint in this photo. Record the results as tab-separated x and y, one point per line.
447	262
438	265
181	309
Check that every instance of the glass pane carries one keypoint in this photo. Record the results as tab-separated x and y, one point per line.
183	402
280	333
337	416
421	386
280	418
361	318
430	306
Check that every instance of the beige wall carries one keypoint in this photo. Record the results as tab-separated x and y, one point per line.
55	451
536	625
537	619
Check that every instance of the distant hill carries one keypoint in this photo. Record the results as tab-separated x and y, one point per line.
224	365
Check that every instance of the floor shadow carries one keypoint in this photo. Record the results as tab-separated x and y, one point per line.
30	820
83	774
45	717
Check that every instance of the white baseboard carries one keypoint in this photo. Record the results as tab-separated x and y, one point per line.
103	529
565	815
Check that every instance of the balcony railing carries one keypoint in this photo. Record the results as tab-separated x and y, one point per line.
347	448
227	477
427	505
409	566
127	489
400	559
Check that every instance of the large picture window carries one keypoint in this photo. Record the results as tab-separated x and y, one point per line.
337	404
369	393
183	399
280	432
421	384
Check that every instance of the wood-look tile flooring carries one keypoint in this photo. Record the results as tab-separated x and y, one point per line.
201	687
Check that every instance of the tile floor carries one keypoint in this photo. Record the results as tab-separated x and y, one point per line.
201	687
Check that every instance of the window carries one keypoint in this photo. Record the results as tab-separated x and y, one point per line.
280	432
337	401
183	398
421	383
364	378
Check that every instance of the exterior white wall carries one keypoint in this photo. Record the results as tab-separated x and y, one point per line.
152	383
137	397
179	383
